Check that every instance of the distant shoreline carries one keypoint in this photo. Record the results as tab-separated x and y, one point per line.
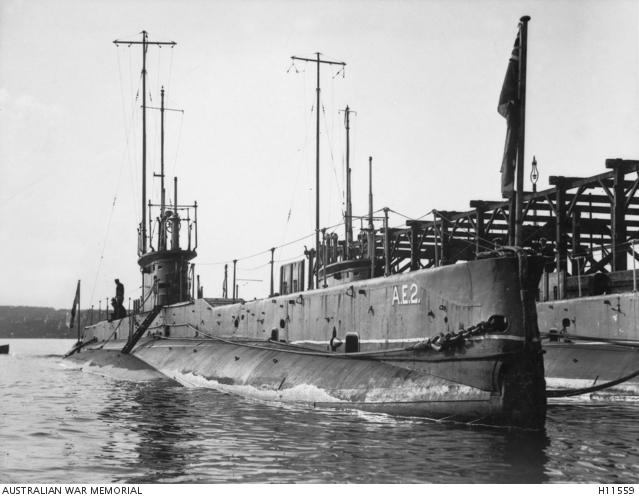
35	322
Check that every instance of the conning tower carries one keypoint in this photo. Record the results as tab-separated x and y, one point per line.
167	276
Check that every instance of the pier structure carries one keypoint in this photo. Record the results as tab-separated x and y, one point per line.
584	226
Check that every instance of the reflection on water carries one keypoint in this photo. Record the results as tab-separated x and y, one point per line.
62	425
153	422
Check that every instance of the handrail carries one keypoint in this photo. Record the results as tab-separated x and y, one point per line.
151	291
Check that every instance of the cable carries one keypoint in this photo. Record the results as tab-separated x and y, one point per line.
287	260
400	214
269	250
330	148
177	145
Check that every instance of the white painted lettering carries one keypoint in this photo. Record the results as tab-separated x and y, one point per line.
395	296
413	295
407	295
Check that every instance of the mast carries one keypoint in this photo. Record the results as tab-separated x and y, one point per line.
317	167
272	281
175	219
521	139
79	333
348	217
162	225
175	203
318	61
162	193
145	43
225	292
234	284
371	228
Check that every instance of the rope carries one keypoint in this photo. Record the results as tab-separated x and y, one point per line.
269	250
21	192
424	215
128	128
330	149
438	344
168	84
628	344
565	393
177	145
257	267
79	346
104	242
117	188
400	214
157	73
112	333
293	258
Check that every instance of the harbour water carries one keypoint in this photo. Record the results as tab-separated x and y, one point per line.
60	422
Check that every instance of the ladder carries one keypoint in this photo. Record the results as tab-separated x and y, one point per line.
137	335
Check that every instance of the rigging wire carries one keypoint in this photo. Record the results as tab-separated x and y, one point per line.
177	146
288	260
23	191
268	263
133	153
128	126
157	77
131	144
424	215
330	148
104	241
117	186
483	243
293	67
168	85
298	169
269	250
489	244
307	163
400	214
255	268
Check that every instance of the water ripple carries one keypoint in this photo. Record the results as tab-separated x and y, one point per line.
65	425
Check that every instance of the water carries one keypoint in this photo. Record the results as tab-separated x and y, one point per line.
62	424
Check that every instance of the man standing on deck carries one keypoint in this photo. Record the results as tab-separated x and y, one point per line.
119	298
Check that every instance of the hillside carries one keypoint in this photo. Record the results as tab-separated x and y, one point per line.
32	322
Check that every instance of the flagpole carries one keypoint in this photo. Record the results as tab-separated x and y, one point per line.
523	46
79	310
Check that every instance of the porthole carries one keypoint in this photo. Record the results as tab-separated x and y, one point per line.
498	323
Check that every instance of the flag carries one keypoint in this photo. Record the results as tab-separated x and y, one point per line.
76	303
508	107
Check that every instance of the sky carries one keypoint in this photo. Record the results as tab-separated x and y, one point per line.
422	76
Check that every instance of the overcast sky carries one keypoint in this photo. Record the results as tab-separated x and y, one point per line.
423	76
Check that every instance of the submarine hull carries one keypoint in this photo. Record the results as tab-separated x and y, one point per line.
599	343
458	343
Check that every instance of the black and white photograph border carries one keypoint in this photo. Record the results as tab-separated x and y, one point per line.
319	242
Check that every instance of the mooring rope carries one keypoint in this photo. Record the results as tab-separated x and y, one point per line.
630	344
565	393
436	344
